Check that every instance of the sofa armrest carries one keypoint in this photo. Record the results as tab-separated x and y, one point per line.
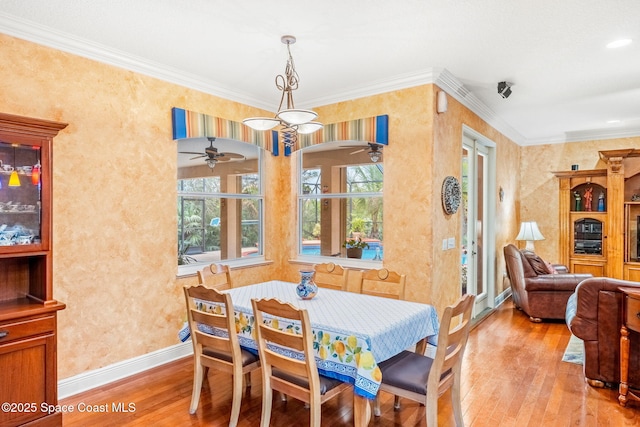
555	282
560	269
570	311
597	308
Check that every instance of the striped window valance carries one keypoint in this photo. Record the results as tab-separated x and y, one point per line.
189	124
370	129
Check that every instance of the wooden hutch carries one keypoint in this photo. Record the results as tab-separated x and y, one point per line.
28	378
600	217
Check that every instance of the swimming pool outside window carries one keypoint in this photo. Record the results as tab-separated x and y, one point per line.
340	197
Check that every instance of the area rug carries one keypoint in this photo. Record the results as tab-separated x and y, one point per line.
574	352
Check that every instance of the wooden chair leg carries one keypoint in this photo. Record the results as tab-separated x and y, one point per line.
396	403
197	385
247	379
315	412
376	407
237	400
267	400
431	409
456	401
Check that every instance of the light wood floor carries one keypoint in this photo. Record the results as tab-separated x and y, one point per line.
513	376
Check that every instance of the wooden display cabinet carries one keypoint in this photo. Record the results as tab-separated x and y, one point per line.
583	223
632	241
623	176
28	378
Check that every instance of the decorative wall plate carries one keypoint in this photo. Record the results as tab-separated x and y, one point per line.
450	195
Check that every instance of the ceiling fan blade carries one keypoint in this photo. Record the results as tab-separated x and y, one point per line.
232	155
358	151
197	157
225	157
188	152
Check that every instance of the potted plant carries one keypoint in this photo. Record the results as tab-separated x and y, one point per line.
357	227
183	258
354	247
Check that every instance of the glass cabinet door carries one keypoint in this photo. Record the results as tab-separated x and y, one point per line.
632	236
20	194
587	236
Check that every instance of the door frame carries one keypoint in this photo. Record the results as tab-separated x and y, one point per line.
489	238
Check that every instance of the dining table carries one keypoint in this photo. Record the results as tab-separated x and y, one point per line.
352	332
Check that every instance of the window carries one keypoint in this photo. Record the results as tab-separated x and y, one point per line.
220	213
340	197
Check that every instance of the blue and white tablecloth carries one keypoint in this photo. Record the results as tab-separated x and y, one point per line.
352	332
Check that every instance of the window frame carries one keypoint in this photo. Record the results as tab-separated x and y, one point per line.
193	268
301	197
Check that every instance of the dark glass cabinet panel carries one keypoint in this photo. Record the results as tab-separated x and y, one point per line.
587	236
20	194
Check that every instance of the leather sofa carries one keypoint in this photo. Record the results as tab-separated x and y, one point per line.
594	314
540	296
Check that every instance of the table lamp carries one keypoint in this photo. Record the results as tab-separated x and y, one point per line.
530	232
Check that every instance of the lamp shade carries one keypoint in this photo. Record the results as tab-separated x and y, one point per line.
310	127
261	123
296	117
14	179
530	232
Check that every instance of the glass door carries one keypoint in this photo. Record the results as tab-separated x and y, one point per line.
476	241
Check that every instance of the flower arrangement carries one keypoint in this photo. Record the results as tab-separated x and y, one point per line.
355	244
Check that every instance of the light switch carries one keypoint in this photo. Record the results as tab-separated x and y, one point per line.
444	244
451	243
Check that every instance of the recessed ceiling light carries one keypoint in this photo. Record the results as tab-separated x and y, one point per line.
619	43
612	122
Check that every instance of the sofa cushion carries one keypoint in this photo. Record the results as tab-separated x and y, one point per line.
537	263
551	269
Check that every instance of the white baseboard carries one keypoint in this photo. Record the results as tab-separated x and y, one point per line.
92	379
502	297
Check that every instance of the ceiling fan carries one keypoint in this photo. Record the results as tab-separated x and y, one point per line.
212	156
374	150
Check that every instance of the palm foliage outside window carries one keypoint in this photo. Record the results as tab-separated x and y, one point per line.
220	213
340	197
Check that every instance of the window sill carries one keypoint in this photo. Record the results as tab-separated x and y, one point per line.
343	262
248	262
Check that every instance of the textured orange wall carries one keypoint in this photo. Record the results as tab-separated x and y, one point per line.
539	187
448	131
114	196
425	147
407	193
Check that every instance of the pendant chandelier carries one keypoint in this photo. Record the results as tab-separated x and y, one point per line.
292	120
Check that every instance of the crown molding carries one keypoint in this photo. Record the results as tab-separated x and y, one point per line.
398	82
454	87
65	42
588	135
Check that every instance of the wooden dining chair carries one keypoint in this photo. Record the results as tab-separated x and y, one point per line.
284	372
331	276
215	276
383	283
223	352
425	379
